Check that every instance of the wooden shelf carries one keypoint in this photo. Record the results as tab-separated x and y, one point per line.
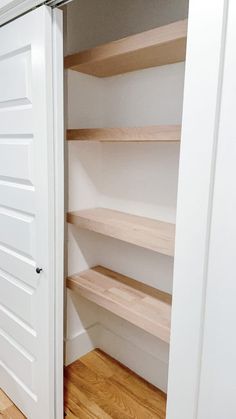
165	133
140	304
140	231
159	46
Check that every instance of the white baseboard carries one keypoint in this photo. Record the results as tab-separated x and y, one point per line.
150	367
81	343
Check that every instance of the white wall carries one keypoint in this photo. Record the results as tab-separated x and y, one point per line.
133	177
93	22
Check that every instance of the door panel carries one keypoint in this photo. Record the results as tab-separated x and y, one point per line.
24	116
27	220
12	262
23	360
23	305
15	87
18	328
17	231
16	159
20	198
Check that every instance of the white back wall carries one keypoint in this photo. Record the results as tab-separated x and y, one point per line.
137	178
93	22
146	97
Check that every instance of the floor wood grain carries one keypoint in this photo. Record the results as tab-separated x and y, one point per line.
97	386
7	409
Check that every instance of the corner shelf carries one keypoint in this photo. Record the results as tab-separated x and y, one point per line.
144	232
140	304
158	133
155	47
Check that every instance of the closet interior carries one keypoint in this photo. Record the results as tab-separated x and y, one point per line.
124	80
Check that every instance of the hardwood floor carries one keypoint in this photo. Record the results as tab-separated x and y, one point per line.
97	386
7	409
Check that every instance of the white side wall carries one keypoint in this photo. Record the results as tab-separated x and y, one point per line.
136	178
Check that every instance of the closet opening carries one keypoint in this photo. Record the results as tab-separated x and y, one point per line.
124	81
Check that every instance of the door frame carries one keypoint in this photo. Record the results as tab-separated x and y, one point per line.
10	9
218	370
58	123
199	146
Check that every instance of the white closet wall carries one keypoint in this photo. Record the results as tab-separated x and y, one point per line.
93	22
136	178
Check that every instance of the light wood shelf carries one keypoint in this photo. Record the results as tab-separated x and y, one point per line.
159	133
155	47
140	304
144	232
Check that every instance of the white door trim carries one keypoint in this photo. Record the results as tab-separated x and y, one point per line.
218	369
10	9
58	114
202	96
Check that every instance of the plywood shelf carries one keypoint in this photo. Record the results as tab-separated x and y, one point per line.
145	232
155	47
140	304
159	133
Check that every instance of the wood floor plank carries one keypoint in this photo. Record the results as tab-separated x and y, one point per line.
106	366
78	396
13	413
102	364
74	409
5	402
69	414
99	391
114	388
7	409
76	412
103	393
98	387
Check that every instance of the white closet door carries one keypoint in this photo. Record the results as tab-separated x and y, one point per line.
27	226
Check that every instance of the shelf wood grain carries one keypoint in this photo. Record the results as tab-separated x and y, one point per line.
158	133
155	47
138	303
144	232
